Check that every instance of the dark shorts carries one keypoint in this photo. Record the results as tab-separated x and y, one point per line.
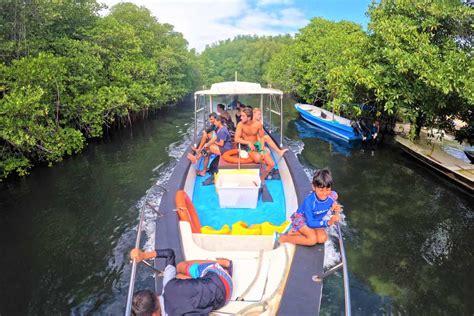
211	291
224	278
199	270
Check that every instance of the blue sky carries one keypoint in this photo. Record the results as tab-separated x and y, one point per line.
204	22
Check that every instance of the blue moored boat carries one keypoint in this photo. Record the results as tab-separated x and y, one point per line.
334	124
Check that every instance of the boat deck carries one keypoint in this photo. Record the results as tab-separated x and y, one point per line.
206	202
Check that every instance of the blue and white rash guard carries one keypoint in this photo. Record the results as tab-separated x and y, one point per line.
314	209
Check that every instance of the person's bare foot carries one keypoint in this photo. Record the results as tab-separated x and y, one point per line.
192	158
224	262
282	152
201	173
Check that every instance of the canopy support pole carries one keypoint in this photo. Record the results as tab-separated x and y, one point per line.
195	120
281	120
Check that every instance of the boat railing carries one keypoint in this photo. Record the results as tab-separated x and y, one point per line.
345	272
128	309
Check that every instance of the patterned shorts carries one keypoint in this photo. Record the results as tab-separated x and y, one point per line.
195	270
297	221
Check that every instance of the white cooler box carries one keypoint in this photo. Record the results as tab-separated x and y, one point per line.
238	188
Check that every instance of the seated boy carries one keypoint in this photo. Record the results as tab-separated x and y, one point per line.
307	224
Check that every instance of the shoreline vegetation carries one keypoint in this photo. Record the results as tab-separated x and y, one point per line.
67	74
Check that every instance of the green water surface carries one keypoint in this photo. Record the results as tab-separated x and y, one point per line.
65	231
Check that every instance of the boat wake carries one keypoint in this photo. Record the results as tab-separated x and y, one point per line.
437	247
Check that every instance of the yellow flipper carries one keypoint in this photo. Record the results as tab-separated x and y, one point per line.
225	230
268	228
241	228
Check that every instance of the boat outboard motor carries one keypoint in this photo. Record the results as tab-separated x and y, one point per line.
365	129
356	127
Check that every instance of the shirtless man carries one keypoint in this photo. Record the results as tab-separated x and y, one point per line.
257	116
250	133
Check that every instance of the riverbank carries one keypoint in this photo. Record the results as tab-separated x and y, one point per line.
443	156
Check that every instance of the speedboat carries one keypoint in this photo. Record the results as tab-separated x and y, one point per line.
328	121
229	219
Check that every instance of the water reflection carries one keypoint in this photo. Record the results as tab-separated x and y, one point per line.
334	144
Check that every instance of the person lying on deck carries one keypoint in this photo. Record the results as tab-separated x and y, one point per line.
257	116
194	287
250	134
307	223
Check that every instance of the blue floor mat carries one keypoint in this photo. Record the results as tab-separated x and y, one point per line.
206	202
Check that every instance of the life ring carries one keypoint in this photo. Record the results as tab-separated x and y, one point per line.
186	211
225	230
232	156
241	228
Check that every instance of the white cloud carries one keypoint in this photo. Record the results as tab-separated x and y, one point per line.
204	22
270	2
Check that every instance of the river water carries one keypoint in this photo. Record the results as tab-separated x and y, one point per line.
65	231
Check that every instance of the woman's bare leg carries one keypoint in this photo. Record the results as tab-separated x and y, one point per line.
215	150
201	143
203	172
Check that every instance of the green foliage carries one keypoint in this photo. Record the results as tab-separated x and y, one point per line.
422	60
324	64
415	62
68	73
248	55
29	27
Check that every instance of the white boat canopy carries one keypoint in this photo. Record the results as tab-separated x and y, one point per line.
238	88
